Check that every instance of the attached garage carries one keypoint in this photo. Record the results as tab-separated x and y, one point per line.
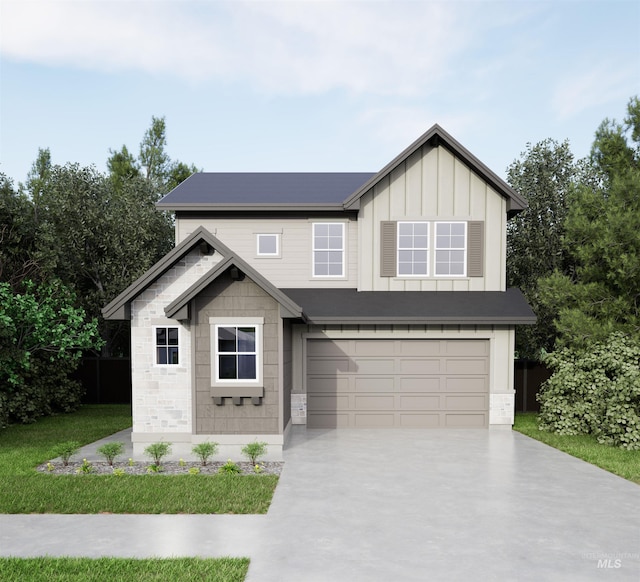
397	383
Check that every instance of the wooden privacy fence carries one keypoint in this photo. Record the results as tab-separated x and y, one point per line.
105	380
528	377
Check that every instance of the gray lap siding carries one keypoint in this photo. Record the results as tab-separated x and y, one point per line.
228	298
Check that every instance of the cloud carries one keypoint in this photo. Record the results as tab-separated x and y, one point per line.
397	48
598	85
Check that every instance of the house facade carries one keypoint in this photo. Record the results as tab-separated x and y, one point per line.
350	300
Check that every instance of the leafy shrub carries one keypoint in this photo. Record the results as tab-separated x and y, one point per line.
158	451
204	451
253	451
229	468
110	451
66	450
595	390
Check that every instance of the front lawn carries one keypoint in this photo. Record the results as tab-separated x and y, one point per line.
98	570
615	460
24	490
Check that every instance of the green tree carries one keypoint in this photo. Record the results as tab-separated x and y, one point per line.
105	238
545	175
38	177
602	237
153	158
122	167
42	335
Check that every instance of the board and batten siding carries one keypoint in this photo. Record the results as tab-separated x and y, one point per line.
431	185
293	267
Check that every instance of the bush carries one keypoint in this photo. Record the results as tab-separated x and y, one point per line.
158	451
110	451
66	450
229	468
595	390
253	451
204	451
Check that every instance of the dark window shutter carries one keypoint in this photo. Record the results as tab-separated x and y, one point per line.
475	249
388	244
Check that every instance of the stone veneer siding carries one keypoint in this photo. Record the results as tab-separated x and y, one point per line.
161	395
228	298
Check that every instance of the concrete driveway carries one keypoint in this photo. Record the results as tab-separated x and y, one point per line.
391	505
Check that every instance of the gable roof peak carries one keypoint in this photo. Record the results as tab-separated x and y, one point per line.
436	136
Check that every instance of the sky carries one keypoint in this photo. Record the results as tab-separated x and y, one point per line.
298	85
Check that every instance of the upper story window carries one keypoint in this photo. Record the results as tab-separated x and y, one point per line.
268	245
413	248
328	249
451	247
167	341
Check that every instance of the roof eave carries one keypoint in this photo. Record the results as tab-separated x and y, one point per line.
430	320
220	207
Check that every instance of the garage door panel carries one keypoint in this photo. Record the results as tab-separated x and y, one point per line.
332	420
466	348
374	420
398	383
419	366
330	385
373	384
333	402
461	366
465	384
425	402
465	402
376	348
374	402
422	349
374	366
328	365
419	420
431	384
324	348
465	421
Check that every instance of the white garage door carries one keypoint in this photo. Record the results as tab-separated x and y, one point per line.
397	383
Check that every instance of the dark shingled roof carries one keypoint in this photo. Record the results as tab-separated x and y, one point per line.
257	189
405	307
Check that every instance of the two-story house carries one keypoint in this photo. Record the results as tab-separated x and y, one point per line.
359	300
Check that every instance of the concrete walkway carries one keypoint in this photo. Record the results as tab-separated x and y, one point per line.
390	505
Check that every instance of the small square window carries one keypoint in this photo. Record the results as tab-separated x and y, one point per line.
268	245
236	353
167	346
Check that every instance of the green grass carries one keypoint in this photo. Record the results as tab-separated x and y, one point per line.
615	460
24	490
98	570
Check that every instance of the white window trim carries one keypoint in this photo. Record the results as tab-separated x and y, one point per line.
179	346
343	250
399	248
214	324
436	249
268	255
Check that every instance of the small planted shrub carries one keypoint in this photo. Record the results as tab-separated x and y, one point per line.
85	468
194	471
229	468
204	451
157	452
110	451
66	450
118	471
253	451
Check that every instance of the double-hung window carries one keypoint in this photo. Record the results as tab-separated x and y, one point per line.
167	340
328	249
451	245
413	249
